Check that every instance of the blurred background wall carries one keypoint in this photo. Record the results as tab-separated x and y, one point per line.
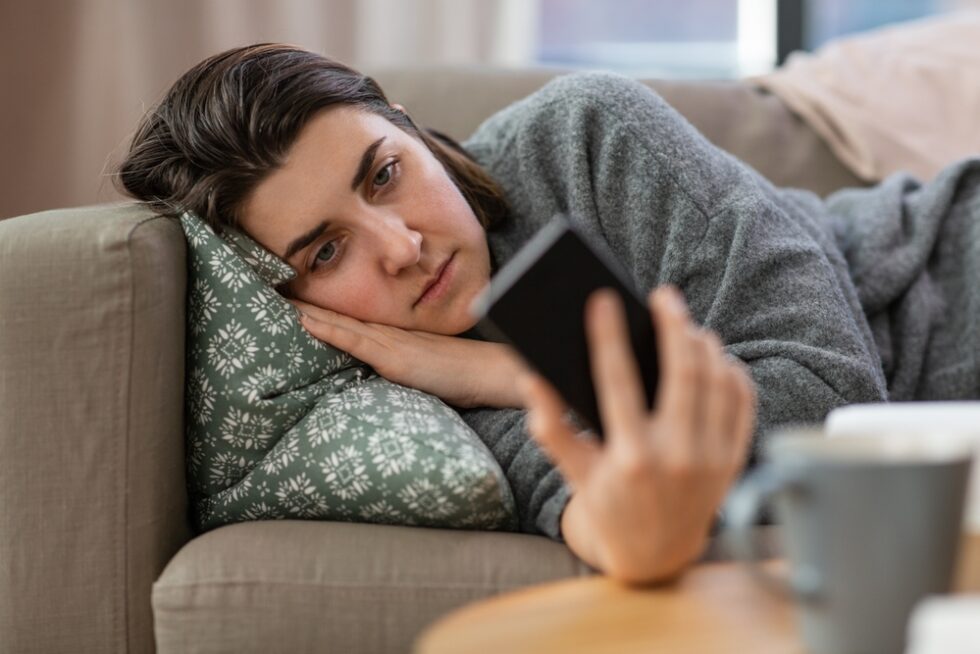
76	75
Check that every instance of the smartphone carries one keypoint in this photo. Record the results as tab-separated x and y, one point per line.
536	302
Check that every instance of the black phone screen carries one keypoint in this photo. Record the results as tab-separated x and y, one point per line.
536	302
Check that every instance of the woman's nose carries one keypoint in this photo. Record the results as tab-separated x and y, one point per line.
400	246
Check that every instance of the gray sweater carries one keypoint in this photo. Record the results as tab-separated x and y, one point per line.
758	265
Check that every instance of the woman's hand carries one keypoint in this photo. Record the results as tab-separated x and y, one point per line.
461	371
643	503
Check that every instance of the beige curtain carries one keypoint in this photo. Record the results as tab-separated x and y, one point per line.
76	75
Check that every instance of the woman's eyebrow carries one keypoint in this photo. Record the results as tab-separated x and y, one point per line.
367	160
302	241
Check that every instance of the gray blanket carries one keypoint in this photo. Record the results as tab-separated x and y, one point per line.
783	277
914	255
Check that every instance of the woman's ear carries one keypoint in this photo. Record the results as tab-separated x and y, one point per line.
398	107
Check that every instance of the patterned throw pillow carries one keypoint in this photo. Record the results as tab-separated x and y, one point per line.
280	425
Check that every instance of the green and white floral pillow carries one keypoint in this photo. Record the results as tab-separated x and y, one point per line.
280	425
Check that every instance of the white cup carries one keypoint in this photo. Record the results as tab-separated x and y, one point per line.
945	624
939	422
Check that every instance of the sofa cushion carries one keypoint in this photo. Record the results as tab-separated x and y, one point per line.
280	425
750	123
322	586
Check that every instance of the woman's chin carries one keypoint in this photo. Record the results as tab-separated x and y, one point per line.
454	325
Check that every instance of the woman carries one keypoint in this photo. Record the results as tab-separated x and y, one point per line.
392	231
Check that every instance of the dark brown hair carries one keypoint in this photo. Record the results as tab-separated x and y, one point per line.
229	121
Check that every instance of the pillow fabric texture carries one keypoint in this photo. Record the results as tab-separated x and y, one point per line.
281	425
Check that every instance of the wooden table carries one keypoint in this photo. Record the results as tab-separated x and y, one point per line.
715	607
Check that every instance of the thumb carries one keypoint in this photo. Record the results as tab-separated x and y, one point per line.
573	455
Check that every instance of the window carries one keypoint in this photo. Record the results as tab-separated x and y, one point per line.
827	19
705	38
659	38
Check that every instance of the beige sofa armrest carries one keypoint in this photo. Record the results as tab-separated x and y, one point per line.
92	493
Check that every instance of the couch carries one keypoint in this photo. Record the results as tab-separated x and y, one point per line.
96	552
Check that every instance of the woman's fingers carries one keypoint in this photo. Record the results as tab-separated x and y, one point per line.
743	423
573	455
340	331
615	373
317	314
678	360
719	403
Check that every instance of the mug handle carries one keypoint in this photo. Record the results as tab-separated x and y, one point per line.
741	514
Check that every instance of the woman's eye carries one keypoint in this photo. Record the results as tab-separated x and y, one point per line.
384	175
325	254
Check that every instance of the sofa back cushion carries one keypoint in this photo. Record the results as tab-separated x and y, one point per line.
737	116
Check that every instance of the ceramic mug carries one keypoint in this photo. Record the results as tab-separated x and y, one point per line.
958	421
869	527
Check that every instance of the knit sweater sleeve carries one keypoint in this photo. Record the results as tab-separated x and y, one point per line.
756	264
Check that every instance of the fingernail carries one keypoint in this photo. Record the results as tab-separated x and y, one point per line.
676	299
664	296
605	299
531	422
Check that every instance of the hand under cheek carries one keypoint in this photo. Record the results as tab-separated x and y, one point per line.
353	301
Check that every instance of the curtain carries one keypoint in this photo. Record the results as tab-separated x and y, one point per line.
76	75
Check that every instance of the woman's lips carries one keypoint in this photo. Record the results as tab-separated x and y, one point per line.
441	284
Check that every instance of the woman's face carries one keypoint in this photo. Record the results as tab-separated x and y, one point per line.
370	219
